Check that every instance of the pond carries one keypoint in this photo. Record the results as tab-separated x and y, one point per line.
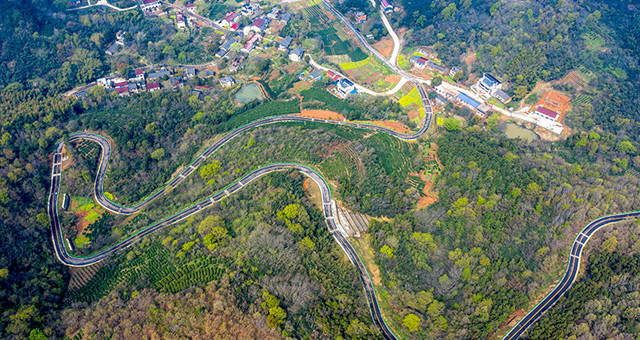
248	92
515	131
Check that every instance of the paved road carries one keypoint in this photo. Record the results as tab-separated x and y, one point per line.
70	260
572	271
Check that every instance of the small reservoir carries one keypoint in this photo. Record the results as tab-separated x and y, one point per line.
515	131
248	92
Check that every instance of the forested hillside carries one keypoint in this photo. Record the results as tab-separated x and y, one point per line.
497	236
262	264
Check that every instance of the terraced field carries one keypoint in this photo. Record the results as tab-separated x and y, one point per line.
154	265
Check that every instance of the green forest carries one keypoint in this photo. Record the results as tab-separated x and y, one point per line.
262	264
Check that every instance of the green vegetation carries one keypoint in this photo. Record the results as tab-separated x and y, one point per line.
249	114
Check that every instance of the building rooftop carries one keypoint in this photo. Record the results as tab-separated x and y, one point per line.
468	100
544	111
502	96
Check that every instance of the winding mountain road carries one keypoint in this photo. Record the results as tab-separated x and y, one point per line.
70	260
328	204
570	275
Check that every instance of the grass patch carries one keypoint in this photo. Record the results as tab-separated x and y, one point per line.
92	216
532	99
593	41
87	207
357	55
331	102
333	45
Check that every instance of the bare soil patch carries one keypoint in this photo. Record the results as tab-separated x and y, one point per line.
556	102
392	78
322	114
313	192
413	114
385	47
82	222
392	124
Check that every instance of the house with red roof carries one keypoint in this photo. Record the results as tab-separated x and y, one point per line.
191	7
152	87
230	19
260	24
545	113
123	91
333	76
149	6
386	6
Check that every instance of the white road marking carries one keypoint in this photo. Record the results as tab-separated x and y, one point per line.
212	200
582	244
241	184
574	256
227	192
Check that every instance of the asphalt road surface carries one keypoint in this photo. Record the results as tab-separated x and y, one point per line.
75	261
572	272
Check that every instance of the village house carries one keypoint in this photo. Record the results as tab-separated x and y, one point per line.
191	7
224	49
285	18
480	109
154	86
275	12
436	67
502	96
159	74
360	16
180	23
296	54
260	24
284	44
491	86
176	83
113	49
150	6
236	65
249	9
227	81
488	84
346	87
333	76
545	113
250	44
122	91
230	19
454	70
418	62
386	6
189	73
139	74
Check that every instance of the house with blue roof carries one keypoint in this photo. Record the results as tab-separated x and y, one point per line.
480	108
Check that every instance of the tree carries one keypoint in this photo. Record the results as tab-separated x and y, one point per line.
626	147
610	244
449	11
157	154
387	251
436	81
412	322
210	170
